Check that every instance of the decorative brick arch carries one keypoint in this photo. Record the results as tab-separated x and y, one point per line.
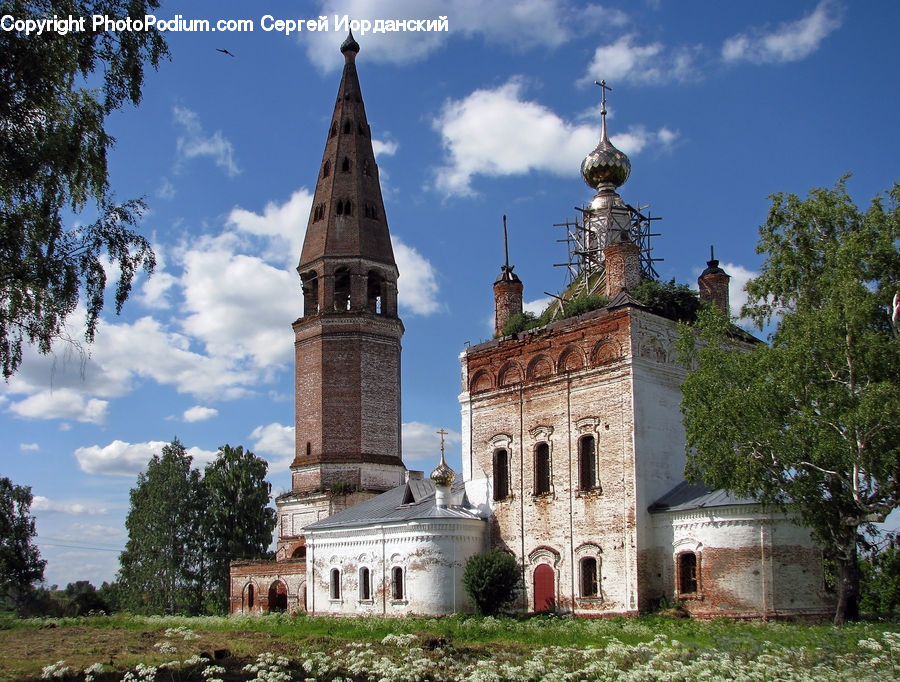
510	374
605	351
482	381
571	360
540	367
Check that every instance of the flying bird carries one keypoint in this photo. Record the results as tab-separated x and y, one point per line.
224	52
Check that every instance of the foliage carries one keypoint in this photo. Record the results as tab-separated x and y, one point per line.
675	301
579	305
20	561
880	581
490	579
184	530
53	165
812	421
238	522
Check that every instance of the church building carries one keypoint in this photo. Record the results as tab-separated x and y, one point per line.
573	446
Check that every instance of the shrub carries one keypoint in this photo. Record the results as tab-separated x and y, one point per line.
667	299
490	580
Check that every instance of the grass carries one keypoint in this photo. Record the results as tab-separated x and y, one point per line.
452	648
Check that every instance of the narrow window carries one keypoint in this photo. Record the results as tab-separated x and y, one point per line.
340	208
501	474
333	129
365	584
335	583
542	469
345	166
587	463
366	167
342	289
396	583
589	582
347	126
326	169
308	448
310	285
348	208
359	129
251	596
687	570
374	286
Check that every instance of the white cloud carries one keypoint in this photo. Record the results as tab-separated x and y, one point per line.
497	133
737	295
274	439
384	147
421	442
790	42
623	60
198	413
62	403
154	290
284	225
417	286
520	25
127	459
44	504
195	143
29	447
166	189
537	306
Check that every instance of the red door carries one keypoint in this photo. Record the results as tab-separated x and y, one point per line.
544	588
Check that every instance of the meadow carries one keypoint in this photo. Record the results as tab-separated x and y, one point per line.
279	647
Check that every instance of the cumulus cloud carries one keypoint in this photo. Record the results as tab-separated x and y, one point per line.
276	441
497	133
127	459
417	287
198	413
421	442
284	225
737	295
44	504
29	447
384	147
195	143
520	25
790	42
624	60
63	403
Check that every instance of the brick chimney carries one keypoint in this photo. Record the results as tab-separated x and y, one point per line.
507	291
713	283
623	267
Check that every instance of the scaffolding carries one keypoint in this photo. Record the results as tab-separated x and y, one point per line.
588	235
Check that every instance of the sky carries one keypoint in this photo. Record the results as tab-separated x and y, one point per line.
717	104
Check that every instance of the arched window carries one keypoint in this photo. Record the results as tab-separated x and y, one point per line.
542	469
345	165
374	285
396	583
342	289
339	209
587	463
365	584
501	474
251	596
335	583
590	583
333	129
347	126
687	573
310	285
348	208
326	169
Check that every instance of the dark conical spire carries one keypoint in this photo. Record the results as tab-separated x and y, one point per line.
347	217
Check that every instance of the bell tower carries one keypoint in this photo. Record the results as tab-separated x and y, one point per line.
347	343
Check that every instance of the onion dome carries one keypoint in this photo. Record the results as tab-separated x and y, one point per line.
606	165
443	476
350	45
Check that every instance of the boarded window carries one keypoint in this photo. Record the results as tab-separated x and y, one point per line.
365	584
542	469
687	572
501	474
587	463
396	583
335	583
589	577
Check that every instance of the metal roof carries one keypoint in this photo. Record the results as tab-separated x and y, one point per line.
686	496
411	501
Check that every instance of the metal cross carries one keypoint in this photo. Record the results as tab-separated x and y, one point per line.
443	433
604	87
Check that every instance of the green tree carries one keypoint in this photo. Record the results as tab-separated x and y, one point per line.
811	421
490	579
238	521
159	564
20	561
674	301
53	166
880	580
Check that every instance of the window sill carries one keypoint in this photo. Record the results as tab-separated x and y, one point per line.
366	601
399	602
590	492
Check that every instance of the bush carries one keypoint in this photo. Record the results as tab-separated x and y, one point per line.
667	299
490	580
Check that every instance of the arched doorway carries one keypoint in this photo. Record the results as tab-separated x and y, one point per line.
249	598
278	596
544	588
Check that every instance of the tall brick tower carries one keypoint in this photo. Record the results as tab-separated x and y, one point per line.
347	344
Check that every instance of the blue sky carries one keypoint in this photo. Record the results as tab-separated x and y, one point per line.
718	105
